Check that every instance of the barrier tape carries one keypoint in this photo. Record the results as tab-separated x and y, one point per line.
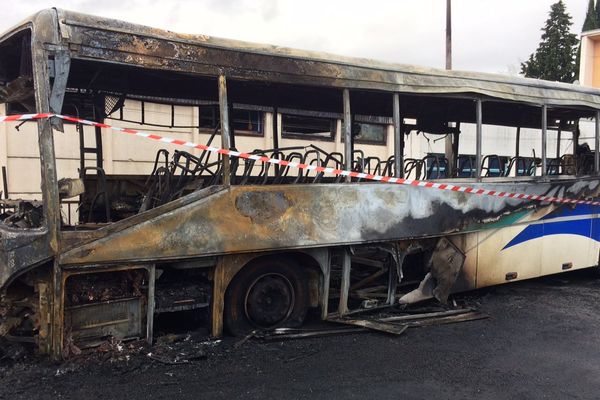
292	164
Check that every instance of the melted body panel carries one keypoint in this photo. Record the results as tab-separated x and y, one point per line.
249	219
100	38
21	250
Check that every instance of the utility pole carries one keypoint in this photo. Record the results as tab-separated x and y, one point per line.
448	34
448	142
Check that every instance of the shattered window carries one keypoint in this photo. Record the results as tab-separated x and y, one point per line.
300	126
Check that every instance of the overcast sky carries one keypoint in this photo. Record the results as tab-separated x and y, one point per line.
488	35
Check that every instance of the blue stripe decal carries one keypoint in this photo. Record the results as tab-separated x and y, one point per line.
586	227
569	211
529	233
580	227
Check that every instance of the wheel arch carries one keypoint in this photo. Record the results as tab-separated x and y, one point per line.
227	267
313	262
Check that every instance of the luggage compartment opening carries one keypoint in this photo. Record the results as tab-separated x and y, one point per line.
182	298
100	306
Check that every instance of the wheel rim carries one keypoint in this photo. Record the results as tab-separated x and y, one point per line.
269	300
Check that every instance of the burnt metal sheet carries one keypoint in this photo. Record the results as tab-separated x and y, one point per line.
20	250
373	325
120	319
260	218
134	44
97	38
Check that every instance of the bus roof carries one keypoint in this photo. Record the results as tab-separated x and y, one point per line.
101	39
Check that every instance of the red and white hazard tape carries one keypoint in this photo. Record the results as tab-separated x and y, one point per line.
292	164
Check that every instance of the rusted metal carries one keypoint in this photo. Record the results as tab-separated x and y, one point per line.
250	218
100	38
44	326
225	128
345	285
392	284
324	285
478	137
40	56
444	267
96	310
150	303
373	325
394	265
224	272
446	262
398	138
347	133
395	323
60	65
90	323
439	320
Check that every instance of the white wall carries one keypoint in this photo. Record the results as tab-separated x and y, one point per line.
501	140
126	154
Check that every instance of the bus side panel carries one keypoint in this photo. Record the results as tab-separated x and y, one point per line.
566	251
499	261
569	239
595	246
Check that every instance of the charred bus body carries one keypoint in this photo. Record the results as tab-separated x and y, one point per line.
257	245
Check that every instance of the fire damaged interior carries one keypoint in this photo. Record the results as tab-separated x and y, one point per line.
242	244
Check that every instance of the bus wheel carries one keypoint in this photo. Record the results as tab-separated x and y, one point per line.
266	294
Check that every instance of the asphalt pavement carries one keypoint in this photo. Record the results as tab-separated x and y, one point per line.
542	341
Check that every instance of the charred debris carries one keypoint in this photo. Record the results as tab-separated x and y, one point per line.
182	310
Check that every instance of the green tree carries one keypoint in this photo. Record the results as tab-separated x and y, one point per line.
597	14
591	17
555	57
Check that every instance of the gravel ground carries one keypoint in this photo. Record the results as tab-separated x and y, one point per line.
542	341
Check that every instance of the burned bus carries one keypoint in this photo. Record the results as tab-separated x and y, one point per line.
294	211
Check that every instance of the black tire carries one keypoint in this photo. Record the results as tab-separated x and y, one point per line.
266	294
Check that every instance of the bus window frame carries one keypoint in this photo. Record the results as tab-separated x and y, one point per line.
333	121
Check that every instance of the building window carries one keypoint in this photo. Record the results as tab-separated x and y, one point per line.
209	117
248	122
369	133
305	127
